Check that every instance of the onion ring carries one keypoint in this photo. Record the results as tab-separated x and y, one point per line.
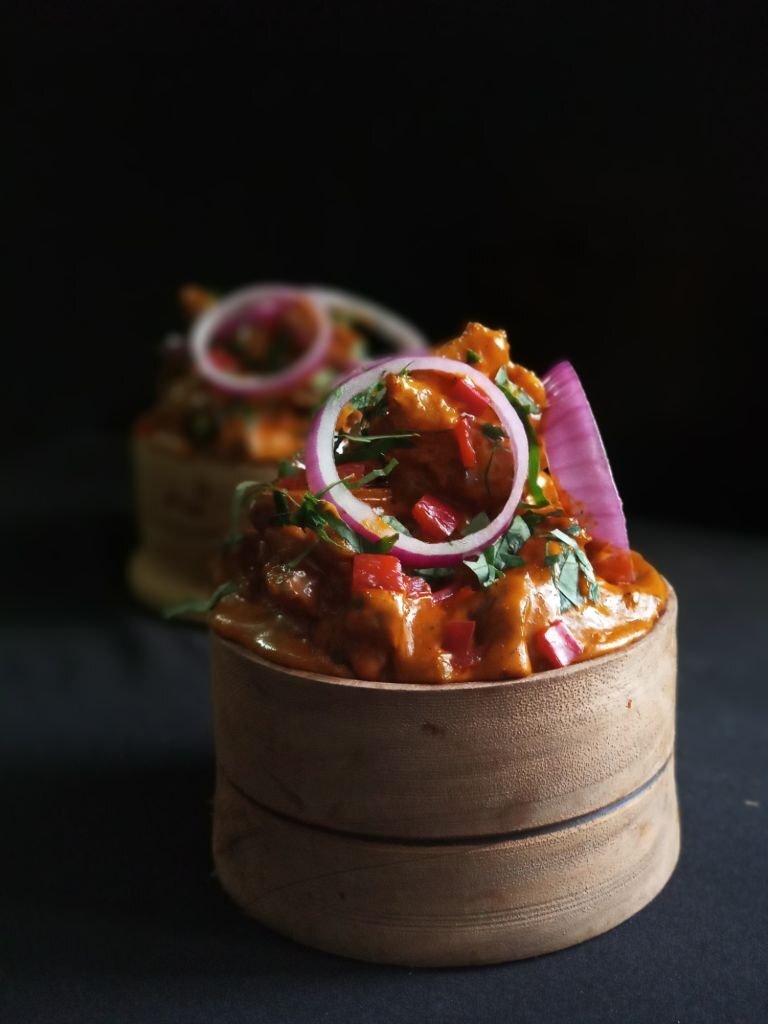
322	474
243	307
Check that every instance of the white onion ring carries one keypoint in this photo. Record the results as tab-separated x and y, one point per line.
322	471
235	308
403	336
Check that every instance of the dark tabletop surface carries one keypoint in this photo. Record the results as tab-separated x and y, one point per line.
110	911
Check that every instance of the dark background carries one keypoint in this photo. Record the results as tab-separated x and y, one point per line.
591	179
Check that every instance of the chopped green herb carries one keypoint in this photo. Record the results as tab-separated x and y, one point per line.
240	495
293	563
479	522
525	407
381	546
371	399
432	574
373	475
397	525
287	468
534	460
490	564
520	399
492	431
473	358
282	507
201	606
566	565
376	445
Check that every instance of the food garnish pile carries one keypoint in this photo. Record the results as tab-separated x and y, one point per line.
243	384
454	518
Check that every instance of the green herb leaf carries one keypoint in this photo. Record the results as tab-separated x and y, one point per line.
520	399
376	445
492	431
484	569
432	574
240	495
473	358
565	575
370	438
375	474
566	565
381	546
287	468
534	460
479	522
490	564
282	506
518	533
201	606
397	525
371	399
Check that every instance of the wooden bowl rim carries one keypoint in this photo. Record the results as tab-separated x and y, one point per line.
554	676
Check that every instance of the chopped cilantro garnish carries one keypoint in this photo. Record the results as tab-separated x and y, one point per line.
492	431
373	475
370	399
534	460
566	565
202	605
375	444
479	522
286	468
525	407
397	525
490	564
240	495
521	400
311	513
432	574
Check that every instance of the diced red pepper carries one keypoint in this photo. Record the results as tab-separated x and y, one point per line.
377	572
613	565
417	586
459	640
450	590
463	433
472	397
557	644
436	520
223	360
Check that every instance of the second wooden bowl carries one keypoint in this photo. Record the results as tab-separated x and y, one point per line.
183	508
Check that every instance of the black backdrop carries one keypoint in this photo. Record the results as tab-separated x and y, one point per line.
591	180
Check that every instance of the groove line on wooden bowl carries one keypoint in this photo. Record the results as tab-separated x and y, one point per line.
498	837
448	904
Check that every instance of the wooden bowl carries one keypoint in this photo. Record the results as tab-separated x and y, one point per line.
183	508
448	825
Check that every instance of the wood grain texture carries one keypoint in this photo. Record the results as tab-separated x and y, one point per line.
183	507
430	904
473	759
